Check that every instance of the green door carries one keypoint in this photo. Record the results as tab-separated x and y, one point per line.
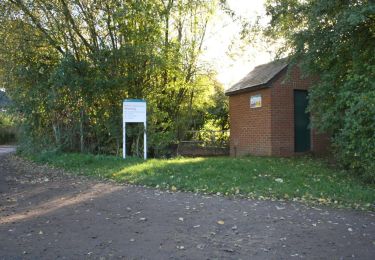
301	122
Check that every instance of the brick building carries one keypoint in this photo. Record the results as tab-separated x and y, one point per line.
267	111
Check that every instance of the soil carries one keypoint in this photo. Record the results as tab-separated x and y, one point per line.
46	213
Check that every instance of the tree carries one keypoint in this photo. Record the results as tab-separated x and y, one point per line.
68	64
335	40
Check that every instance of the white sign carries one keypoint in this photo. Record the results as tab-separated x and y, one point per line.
256	101
134	111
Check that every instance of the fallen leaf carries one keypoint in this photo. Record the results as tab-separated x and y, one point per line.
279	180
322	200
200	246
221	222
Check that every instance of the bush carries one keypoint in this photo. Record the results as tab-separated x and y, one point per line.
8	131
7	135
355	142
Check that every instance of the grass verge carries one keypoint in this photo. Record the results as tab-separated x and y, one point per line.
299	179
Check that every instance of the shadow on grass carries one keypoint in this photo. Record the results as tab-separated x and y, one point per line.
304	179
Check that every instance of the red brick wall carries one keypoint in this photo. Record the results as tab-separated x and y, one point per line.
269	130
282	95
250	128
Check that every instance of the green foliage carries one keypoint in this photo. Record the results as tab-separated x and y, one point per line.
334	40
8	133
218	112
356	140
68	67
299	179
4	100
6	120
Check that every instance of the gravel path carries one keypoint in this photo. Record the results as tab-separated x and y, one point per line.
5	149
48	214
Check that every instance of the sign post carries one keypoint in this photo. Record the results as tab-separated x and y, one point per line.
134	111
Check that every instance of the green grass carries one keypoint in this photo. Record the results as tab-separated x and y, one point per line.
301	179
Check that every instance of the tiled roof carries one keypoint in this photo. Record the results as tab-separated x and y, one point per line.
260	75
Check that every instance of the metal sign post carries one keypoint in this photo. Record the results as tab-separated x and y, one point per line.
134	111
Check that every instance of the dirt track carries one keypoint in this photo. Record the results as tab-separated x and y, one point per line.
47	214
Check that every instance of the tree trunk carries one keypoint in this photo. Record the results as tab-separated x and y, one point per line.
81	132
56	132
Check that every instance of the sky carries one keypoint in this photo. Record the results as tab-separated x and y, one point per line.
222	33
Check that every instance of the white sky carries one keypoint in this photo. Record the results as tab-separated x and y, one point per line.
222	32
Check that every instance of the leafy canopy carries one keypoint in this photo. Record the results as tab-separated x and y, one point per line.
68	64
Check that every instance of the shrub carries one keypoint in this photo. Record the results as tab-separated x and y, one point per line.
355	142
8	131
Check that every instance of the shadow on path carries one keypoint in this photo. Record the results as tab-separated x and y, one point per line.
47	214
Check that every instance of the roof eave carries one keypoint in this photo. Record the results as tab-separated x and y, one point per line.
248	89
